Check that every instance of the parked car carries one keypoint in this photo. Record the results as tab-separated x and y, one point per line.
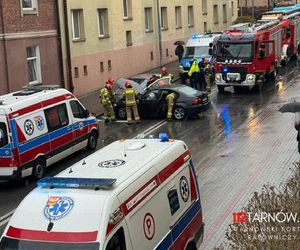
152	102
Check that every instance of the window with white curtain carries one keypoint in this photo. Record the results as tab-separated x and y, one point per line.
34	64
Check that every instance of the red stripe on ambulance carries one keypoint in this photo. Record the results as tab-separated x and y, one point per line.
37	235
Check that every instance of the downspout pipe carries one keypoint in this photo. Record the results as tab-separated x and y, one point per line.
5	49
159	32
68	50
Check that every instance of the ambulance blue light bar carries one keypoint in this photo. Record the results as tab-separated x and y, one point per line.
62	182
163	137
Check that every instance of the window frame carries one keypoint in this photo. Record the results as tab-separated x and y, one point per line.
127	5
80	25
204	7
225	16
216	17
178	17
3	128
163	18
120	234
148	19
105	25
191	16
29	10
37	60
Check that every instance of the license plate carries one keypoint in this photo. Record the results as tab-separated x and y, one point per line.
233	76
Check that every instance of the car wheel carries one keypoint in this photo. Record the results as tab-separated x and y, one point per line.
92	141
39	168
221	88
179	113
121	113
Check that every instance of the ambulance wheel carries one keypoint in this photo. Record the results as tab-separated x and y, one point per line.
221	88
191	246
179	113
39	168
92	141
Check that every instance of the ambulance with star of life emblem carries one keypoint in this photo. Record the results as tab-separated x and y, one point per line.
132	194
40	125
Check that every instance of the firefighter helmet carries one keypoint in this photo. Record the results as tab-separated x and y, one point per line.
110	80
127	85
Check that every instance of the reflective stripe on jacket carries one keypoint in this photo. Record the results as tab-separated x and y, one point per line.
104	95
129	97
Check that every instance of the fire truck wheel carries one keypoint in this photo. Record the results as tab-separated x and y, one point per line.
39	168
92	141
221	88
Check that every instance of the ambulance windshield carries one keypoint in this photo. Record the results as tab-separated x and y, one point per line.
235	51
14	244
3	134
198	52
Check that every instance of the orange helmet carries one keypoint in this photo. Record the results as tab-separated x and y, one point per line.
164	70
110	80
108	86
127	85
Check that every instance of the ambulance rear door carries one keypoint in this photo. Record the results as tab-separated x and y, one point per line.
5	147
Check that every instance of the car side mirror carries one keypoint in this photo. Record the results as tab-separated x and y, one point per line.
210	52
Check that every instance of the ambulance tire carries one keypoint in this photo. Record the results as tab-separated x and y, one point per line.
191	246
92	141
39	168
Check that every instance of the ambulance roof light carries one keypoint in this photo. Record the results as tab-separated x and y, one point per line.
163	137
62	182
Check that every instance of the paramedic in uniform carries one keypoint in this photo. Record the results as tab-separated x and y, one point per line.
170	98
131	105
105	99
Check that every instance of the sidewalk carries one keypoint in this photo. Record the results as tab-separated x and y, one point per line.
91	100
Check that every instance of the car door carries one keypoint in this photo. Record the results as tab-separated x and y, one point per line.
149	103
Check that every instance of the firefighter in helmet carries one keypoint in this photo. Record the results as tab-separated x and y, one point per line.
164	73
208	75
131	105
170	98
106	101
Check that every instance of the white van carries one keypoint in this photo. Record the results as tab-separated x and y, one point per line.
132	194
40	125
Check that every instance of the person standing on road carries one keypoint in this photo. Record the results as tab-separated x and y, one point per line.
297	127
208	75
179	51
130	103
201	76
194	74
170	98
105	99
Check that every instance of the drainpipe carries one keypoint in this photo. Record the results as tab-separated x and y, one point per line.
159	32
68	50
59	42
5	50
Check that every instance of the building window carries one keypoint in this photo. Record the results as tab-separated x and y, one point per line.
34	65
167	52
128	38
29	4
216	14
151	56
85	70
101	66
127	9
109	64
204	7
205	26
178	19
77	24
224	13
232	8
148	20
190	16
103	23
76	72
163	18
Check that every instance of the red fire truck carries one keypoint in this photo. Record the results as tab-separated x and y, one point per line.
244	57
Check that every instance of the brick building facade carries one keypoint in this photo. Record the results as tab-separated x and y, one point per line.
29	52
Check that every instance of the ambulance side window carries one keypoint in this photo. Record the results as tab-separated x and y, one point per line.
3	135
57	117
173	200
117	242
77	110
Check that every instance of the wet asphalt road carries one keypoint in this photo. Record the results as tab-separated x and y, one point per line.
228	111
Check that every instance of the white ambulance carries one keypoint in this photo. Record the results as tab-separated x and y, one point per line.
131	194
40	125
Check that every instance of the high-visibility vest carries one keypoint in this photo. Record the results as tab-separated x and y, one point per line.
104	95
194	68
129	97
171	76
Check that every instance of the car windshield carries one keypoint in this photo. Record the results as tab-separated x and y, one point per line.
14	244
3	135
199	51
188	91
235	51
160	82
